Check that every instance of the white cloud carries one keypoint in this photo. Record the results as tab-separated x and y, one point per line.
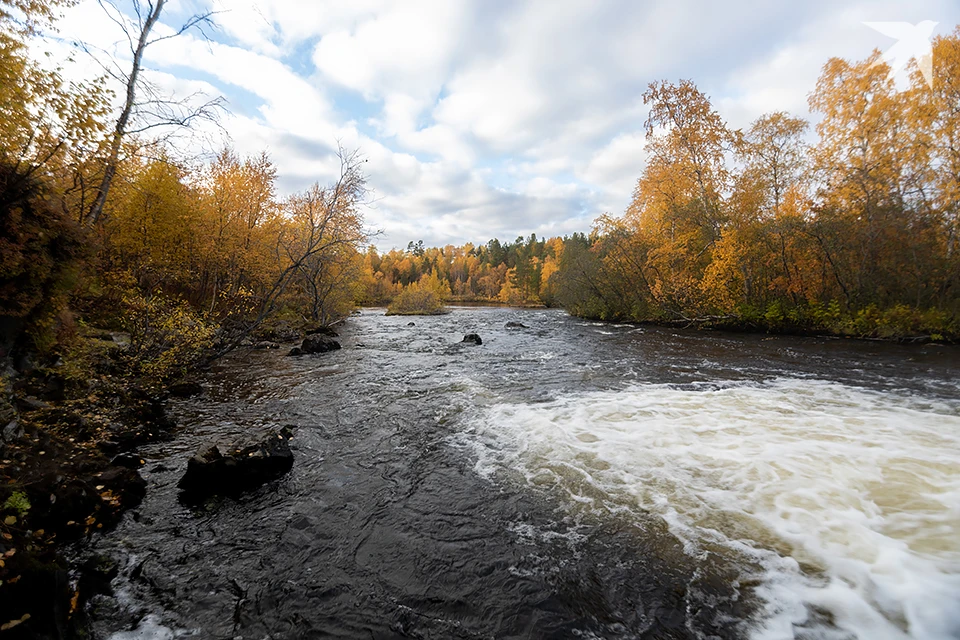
482	119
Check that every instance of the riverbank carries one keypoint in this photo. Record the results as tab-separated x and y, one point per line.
841	330
68	469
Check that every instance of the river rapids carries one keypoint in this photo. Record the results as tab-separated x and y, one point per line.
569	479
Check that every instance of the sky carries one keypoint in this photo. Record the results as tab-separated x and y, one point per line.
484	118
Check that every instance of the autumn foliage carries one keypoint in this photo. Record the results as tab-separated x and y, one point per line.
855	232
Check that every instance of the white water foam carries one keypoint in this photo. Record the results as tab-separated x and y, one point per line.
149	629
860	488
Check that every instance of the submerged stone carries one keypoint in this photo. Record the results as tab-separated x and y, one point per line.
472	338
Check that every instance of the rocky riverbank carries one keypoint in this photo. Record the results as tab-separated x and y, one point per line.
69	468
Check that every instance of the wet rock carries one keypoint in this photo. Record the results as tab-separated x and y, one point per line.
128	460
516	325
29	403
12	431
266	344
319	344
96	574
185	389
69	505
323	331
43	385
296	351
280	332
238	468
108	446
472	338
411	324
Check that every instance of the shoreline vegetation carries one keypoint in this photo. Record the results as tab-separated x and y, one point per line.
126	267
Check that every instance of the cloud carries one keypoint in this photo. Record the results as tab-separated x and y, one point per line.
483	119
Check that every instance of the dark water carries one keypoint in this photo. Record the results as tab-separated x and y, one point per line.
384	529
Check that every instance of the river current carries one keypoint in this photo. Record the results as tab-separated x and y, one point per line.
570	479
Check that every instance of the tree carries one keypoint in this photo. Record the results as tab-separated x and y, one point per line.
45	122
678	206
321	224
143	109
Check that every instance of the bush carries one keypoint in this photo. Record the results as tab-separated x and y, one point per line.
40	255
415	301
167	337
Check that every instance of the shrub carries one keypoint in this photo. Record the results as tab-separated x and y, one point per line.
40	255
167	337
416	301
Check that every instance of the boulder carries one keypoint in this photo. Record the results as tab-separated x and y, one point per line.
319	344
279	332
13	431
266	344
29	403
411	324
96	574
472	338
185	389
296	351
238	468
128	460
43	385
516	325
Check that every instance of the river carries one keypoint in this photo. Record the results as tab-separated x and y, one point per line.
571	479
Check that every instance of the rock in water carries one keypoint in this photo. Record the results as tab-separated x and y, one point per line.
516	325
319	344
244	467
185	389
472	338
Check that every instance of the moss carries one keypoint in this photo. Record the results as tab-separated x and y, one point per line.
17	503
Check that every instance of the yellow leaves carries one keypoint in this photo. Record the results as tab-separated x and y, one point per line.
6	626
110	498
10	520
